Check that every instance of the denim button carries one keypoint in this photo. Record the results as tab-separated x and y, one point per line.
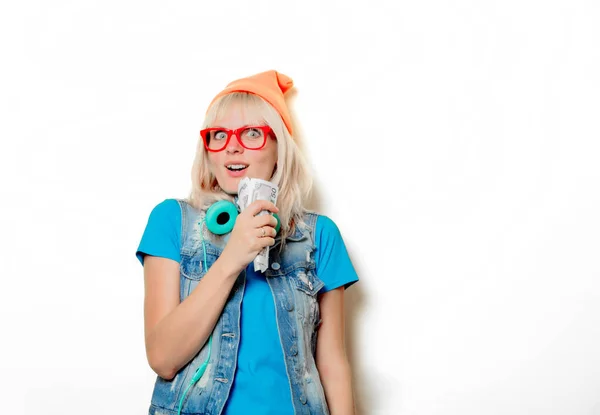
294	350
275	266
303	399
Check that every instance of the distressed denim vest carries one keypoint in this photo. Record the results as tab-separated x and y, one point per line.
294	285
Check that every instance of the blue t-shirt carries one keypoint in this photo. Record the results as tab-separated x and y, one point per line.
260	380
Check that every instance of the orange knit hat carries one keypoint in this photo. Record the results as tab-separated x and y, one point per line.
269	85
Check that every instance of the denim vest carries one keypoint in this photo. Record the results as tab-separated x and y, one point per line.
294	285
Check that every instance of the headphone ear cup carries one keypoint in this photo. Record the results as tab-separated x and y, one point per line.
221	216
278	227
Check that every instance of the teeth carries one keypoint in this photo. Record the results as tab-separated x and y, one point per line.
236	166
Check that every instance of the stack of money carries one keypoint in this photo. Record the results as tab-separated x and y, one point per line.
250	190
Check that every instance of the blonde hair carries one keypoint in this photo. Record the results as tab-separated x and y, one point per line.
292	174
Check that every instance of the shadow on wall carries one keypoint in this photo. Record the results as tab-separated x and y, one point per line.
354	297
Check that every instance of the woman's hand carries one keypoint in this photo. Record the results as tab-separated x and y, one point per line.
250	235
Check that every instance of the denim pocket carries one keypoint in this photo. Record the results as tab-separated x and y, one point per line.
192	270
307	281
192	265
307	287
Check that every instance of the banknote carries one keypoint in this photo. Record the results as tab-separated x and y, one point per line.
250	190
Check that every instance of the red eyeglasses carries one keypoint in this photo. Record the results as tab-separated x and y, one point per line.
250	137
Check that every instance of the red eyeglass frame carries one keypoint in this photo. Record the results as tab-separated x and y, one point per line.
264	128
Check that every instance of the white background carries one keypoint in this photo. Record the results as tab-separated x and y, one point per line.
455	144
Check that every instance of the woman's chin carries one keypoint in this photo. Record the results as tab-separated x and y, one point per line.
231	187
232	183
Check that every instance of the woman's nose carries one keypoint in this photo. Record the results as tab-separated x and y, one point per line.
234	145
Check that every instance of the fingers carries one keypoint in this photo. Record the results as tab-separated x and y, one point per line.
251	233
266	240
266	231
264	220
258	205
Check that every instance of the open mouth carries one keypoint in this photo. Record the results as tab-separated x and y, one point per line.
236	167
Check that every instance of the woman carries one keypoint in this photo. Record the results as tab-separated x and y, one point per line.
222	337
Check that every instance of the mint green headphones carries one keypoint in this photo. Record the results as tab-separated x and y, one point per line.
221	216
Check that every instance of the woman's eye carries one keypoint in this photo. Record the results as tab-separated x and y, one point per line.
253	133
220	135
